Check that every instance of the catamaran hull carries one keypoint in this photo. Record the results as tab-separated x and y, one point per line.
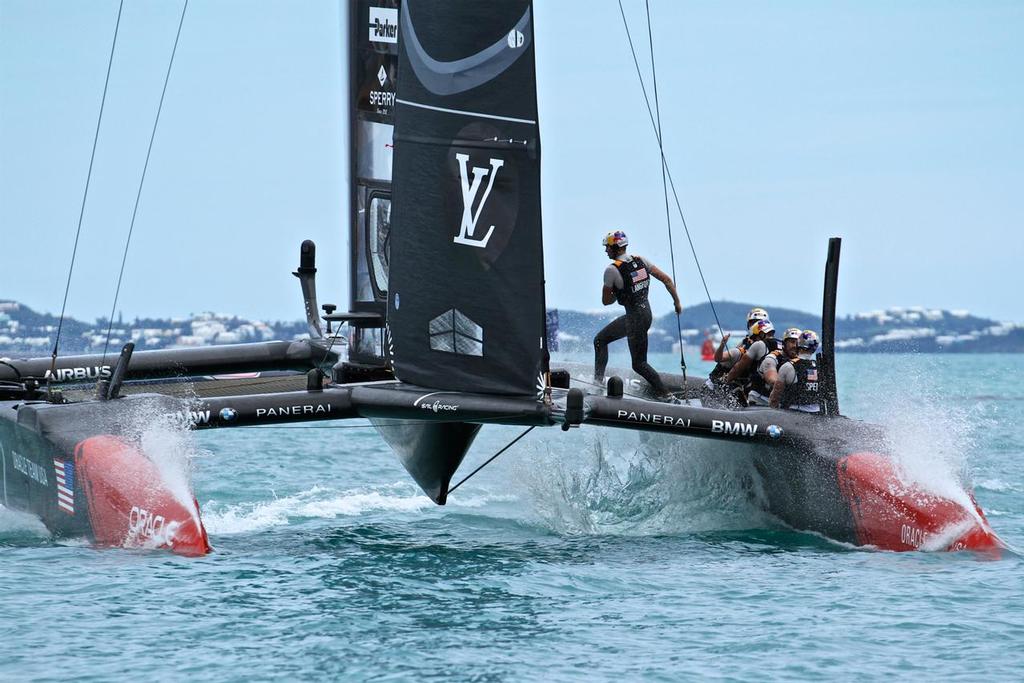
826	475
62	464
69	465
862	499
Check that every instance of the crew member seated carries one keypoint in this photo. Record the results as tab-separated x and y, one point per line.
725	359
796	386
763	334
763	380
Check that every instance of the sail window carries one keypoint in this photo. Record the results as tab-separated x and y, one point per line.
378	232
454	332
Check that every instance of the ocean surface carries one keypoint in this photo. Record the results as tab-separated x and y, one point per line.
585	555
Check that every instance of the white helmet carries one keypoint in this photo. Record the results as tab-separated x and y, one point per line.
756	314
808	342
791	333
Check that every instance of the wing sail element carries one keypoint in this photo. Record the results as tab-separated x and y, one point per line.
466	297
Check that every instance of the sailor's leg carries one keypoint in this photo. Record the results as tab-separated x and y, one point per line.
613	331
636	335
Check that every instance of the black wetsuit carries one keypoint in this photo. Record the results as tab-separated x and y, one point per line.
636	281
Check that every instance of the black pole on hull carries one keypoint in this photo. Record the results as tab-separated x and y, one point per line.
827	355
306	273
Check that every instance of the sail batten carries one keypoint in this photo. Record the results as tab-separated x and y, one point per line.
466	301
475	114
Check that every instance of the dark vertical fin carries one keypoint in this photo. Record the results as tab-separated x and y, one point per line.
466	301
827	355
429	451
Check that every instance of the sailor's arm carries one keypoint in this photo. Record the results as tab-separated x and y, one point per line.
720	351
658	274
740	369
769	370
743	365
611	280
784	377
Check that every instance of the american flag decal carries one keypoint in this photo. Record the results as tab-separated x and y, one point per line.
812	375
640	274
65	485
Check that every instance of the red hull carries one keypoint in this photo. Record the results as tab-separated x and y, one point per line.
129	506
892	515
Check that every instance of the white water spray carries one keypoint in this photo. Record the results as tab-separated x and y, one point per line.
930	436
167	440
629	483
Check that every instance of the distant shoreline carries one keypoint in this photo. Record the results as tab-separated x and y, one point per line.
25	333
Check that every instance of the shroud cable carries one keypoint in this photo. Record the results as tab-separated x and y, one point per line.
668	170
85	194
142	181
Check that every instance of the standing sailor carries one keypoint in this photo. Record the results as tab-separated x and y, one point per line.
627	282
796	387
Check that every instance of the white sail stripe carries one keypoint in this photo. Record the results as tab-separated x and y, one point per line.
466	113
65	490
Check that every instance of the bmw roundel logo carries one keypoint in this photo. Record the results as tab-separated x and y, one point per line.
774	431
228	414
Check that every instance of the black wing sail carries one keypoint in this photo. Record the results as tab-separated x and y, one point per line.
466	300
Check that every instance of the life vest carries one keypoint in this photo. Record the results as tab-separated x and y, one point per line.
636	282
757	382
803	392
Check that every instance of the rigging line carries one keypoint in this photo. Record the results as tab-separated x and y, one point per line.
664	184
142	181
668	170
490	459
85	194
327	351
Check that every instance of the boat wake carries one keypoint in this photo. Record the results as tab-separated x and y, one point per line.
17	527
321	502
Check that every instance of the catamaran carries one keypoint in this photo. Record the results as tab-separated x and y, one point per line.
445	330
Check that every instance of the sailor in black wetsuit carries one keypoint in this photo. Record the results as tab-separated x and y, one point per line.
796	387
627	282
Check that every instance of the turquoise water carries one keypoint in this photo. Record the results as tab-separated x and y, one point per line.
587	555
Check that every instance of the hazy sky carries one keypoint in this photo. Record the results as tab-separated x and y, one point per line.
898	126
